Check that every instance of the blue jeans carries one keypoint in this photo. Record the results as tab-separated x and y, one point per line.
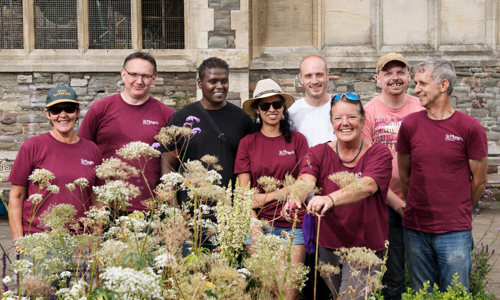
437	257
394	276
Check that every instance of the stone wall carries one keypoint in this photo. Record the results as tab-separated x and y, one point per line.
22	102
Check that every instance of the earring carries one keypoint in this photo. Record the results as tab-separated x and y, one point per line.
282	117
257	119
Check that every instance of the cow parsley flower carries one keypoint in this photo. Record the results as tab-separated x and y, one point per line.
35	198
42	177
128	283
82	182
54	189
137	150
115	168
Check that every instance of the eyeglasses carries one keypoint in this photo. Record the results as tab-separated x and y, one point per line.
135	76
349	96
267	105
57	109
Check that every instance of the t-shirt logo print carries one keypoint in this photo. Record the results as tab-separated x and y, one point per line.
286	152
149	122
85	162
453	138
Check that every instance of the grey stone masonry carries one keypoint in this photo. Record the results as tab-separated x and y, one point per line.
222	37
22	102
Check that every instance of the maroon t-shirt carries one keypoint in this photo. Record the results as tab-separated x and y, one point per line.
271	156
361	224
112	123
438	198
67	162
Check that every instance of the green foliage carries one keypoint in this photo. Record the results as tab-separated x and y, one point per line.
455	291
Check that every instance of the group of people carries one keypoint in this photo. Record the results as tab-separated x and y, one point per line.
418	164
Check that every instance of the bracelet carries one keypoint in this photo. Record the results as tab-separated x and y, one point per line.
333	200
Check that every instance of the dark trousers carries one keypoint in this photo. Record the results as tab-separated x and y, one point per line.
394	277
322	290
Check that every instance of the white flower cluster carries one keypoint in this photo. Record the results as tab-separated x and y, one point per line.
54	189
76	292
234	219
115	168
132	284
35	198
42	177
116	192
170	181
165	260
82	182
100	216
137	150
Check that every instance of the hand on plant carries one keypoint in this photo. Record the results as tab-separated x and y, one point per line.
320	204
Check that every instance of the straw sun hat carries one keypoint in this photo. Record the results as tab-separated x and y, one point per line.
266	88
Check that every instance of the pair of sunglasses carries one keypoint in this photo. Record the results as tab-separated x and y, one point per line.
267	105
57	109
349	96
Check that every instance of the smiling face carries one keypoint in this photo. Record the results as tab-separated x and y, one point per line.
214	87
314	77
272	116
347	121
427	90
63	122
393	78
138	76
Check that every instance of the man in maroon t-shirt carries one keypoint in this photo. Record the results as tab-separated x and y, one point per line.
132	115
442	159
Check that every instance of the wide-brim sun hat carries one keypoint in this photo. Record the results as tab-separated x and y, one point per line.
266	88
61	94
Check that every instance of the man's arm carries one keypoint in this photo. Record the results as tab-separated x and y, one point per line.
169	162
395	202
478	171
404	163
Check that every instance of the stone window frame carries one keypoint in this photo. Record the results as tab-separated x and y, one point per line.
84	59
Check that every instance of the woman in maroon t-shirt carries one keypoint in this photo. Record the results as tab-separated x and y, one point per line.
354	213
60	151
271	150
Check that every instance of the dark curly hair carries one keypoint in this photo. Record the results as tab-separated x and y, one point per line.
284	124
211	63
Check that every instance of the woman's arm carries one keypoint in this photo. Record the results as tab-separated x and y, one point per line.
260	199
350	194
16	199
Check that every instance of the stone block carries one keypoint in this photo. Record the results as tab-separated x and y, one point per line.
12	129
235	102
479	113
178	95
345	79
476	70
229	4
59	78
217	42
80	91
8	117
461	89
43	86
464	73
1	93
104	82
492	90
77	82
364	87
470	81
42	77
222	24
481	75
24	78
31	117
489	82
493	135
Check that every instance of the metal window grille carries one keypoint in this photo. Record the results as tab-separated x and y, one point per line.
56	24
163	24
11	24
109	24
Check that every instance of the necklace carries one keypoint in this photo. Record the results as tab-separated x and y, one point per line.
348	161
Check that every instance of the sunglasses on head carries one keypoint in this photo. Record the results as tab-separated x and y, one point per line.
267	105
349	96
57	109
